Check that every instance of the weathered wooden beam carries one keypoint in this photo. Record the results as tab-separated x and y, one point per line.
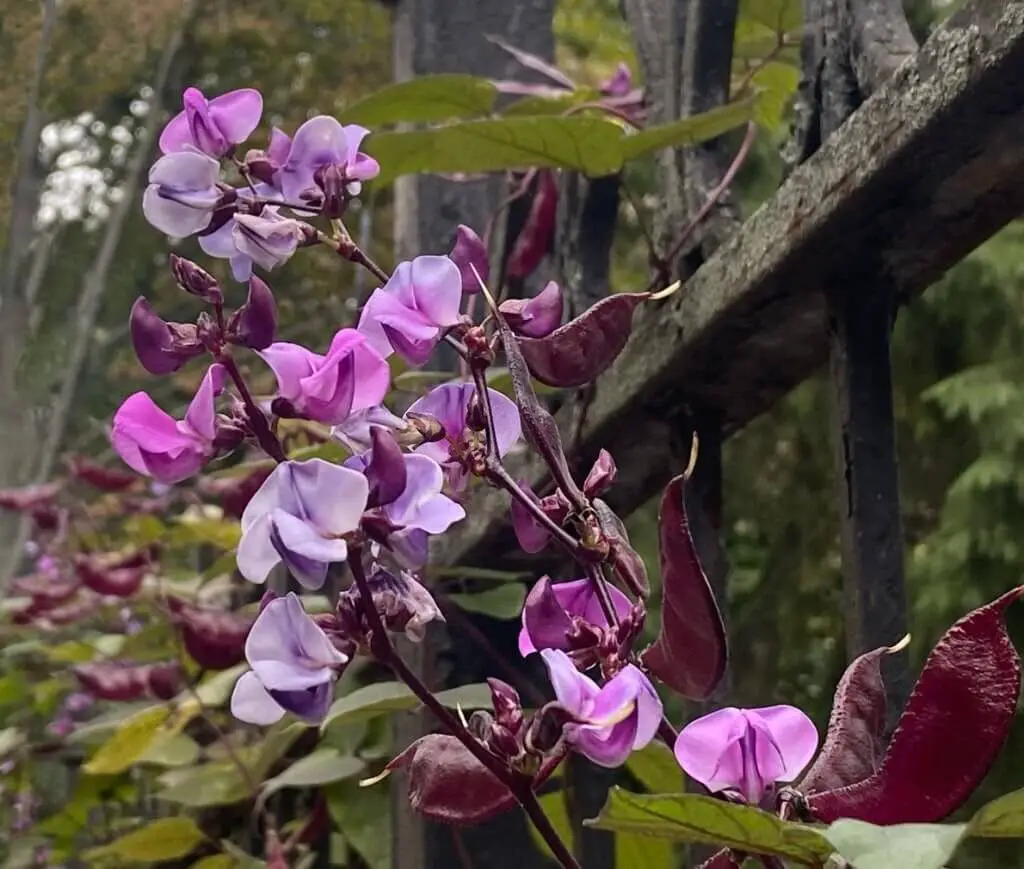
921	174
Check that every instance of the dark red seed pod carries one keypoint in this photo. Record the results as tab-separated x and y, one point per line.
235	493
108	576
29	497
73	611
112	680
45	590
99	476
538	231
951	730
215	639
164	680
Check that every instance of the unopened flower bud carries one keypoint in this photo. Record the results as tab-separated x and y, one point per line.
619	84
508	709
195	280
468	254
385	472
207	331
255	323
476	416
332	182
161	347
95	474
535	317
601	475
260	166
429	427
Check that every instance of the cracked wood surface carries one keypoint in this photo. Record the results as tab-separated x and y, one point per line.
925	171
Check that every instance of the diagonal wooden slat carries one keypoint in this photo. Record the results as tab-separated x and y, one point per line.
925	171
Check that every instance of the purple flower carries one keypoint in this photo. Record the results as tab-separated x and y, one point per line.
213	126
182	193
449	404
322	142
616	718
551	610
537	316
620	84
418	510
354	432
411	311
161	347
747	750
299	516
293	665
351	377
268	239
155	444
470	255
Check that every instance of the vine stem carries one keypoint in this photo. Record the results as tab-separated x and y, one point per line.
383	650
261	430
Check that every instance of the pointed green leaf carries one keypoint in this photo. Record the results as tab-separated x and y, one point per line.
500	602
130	741
776	83
909	846
688	131
693	818
215	689
645	851
164	839
423	100
551	105
382	698
590	145
656	768
174	750
476	696
215	861
1001	818
364	817
210	784
321	767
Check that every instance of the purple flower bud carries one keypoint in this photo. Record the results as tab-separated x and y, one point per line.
268	239
747	750
535	317
404	604
254	324
508	708
161	347
195	280
470	253
213	126
532	536
619	84
385	471
601	475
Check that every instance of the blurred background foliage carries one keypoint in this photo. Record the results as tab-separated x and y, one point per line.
957	350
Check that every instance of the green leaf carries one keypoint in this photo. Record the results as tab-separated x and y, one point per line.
1001	818
215	690
174	750
322	767
98	730
693	818
557	813
329	451
364	817
540	104
423	100
210	784
222	533
909	846
382	698
688	131
645	851
501	602
656	768
130	742
164	839
483	573
590	145
11	739
776	83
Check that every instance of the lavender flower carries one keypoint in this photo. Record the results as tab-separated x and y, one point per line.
299	516
321	143
470	255
155	444
745	751
213	126
537	316
293	665
267	239
182	193
409	314
614	719
449	404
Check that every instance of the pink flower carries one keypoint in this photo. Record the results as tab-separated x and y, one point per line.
155	444
615	719
351	377
551	610
213	126
409	314
320	143
747	750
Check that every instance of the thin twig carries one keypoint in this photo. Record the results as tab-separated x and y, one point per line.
258	422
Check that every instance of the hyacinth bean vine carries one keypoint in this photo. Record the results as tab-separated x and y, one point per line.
359	516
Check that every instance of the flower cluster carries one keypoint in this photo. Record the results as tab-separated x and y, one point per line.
409	473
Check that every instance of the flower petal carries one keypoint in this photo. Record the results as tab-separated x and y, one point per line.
202	413
275	651
251	703
545	622
709	749
303	549
290	364
256	555
437	289
237	113
173	218
574	691
795	736
334	497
